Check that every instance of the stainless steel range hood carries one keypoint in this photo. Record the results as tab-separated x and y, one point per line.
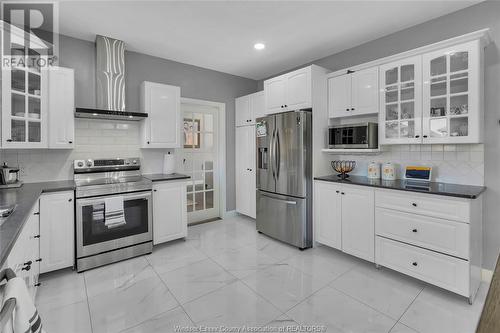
110	83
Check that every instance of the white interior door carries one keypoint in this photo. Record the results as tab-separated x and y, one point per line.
200	160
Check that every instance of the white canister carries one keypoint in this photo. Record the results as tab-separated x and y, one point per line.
374	170
388	171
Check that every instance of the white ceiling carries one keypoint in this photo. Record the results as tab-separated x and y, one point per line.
220	34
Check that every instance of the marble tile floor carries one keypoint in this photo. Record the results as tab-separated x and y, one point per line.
226	274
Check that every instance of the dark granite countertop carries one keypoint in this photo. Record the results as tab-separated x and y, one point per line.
25	198
451	190
158	177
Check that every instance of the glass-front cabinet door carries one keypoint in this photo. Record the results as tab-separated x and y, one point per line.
24	100
451	107
400	101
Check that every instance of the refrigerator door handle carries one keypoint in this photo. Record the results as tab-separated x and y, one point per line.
271	153
288	202
278	154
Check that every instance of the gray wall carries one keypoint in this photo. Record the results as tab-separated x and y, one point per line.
195	82
483	15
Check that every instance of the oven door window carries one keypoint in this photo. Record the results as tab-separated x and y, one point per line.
94	228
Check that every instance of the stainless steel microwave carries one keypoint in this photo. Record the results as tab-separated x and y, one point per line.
363	135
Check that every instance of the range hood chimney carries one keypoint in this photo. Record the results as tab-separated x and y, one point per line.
110	83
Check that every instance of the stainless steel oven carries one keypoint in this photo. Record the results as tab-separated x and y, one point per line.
93	236
363	135
97	181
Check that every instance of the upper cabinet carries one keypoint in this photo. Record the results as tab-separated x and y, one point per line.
287	92
248	108
452	107
353	94
24	107
61	107
162	127
401	101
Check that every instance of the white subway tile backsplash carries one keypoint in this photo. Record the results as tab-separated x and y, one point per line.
460	164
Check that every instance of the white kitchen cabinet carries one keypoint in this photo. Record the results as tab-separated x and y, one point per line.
275	94
248	108
353	94
162	127
61	107
340	223
24	258
358	225
245	171
452	95
400	117
57	231
290	91
327	214
24	108
169	211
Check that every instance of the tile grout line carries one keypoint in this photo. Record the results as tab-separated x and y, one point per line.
180	304
406	310
88	302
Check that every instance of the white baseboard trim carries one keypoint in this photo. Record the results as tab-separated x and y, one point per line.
230	213
486	275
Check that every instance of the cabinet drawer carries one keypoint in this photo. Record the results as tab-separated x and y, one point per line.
424	204
441	270
435	234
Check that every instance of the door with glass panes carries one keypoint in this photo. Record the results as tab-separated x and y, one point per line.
451	107
200	160
401	101
24	100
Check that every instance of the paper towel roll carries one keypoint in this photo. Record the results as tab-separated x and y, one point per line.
168	163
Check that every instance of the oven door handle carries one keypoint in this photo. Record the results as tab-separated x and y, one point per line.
126	197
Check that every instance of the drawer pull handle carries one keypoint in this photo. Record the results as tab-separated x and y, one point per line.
415	263
36	236
39	260
28	263
414	230
27	268
414	204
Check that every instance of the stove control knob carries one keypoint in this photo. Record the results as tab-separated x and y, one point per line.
89	163
134	162
80	164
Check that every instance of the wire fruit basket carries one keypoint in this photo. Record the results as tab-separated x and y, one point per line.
343	168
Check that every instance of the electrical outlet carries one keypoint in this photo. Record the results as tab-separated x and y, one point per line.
22	170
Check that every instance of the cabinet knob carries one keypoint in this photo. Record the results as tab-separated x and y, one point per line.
37	213
337	191
414	263
414	230
155	190
414	204
27	268
38	284
347	109
417	136
28	263
36	236
352	109
342	193
69	200
249	169
9	140
286	105
70	142
425	136
38	260
148	142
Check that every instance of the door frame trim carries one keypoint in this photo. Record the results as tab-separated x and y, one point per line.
221	147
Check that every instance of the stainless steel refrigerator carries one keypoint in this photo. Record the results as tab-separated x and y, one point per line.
284	177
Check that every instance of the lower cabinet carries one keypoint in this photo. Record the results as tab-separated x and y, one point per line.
169	211
340	223
57	231
24	258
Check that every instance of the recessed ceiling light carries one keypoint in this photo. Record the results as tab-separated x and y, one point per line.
259	46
